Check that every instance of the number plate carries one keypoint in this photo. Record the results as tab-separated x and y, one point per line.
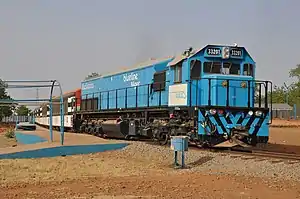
236	52
213	51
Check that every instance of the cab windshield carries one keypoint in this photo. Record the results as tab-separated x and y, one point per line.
228	68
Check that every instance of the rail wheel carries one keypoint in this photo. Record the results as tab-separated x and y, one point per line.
163	138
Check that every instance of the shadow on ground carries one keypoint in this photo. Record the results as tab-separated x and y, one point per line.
63	151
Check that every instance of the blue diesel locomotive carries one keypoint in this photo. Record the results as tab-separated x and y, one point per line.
210	94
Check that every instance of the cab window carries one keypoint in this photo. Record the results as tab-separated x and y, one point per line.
159	79
178	72
231	68
248	70
195	69
212	67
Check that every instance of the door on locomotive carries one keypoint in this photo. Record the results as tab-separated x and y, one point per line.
222	88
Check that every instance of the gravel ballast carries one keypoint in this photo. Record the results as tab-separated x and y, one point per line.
214	163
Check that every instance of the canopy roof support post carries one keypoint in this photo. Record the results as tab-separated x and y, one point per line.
54	83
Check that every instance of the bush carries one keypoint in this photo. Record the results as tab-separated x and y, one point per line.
10	133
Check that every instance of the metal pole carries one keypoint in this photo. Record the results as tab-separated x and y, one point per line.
175	158
51	113
28	81
295	111
28	86
51	120
26	100
62	122
182	159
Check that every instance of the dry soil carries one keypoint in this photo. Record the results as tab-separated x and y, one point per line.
117	175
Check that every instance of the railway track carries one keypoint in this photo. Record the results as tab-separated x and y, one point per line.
277	155
266	154
240	151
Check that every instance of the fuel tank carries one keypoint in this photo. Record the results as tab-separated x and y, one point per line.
115	129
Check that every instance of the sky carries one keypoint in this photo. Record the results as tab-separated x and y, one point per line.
67	40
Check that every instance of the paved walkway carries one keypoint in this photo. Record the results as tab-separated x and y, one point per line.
70	139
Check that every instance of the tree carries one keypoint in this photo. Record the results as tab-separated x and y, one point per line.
278	94
295	73
23	110
5	110
291	93
94	74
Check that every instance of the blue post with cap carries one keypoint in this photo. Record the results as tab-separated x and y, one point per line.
179	144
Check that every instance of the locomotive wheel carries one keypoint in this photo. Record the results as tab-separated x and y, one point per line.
253	140
94	131
205	144
163	138
127	137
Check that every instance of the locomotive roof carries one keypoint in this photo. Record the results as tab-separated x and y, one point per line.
172	61
140	65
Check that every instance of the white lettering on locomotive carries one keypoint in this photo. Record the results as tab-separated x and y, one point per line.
87	86
133	78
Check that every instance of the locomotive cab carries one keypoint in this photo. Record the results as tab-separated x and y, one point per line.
227	97
222	88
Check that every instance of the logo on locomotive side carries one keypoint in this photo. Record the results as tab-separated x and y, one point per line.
133	78
180	95
87	86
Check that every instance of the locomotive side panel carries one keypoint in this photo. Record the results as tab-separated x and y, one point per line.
142	87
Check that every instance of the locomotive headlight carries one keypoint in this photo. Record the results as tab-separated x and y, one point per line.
250	113
224	83
212	111
258	113
243	85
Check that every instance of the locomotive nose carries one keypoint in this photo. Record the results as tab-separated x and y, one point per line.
230	91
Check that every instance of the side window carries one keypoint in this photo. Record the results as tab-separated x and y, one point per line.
178	72
159	83
248	70
195	69
212	67
231	68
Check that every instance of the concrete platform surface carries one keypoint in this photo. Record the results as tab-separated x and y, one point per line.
63	151
71	139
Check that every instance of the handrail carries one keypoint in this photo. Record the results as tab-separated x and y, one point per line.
149	93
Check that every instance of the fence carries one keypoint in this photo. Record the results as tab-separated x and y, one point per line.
15	118
285	111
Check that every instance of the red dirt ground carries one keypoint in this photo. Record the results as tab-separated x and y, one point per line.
285	123
107	182
185	185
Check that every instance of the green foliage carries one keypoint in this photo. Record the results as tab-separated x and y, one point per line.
278	95
23	110
4	110
291	93
10	133
295	73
